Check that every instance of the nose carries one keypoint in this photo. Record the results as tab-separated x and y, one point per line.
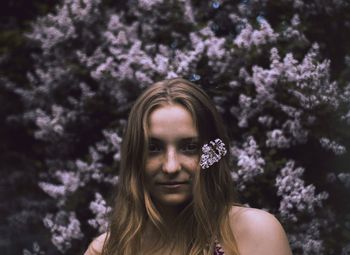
171	162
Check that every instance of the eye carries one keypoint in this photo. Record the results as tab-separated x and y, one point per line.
153	148
190	147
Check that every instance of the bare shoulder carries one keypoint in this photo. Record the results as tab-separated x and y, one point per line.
258	232
95	247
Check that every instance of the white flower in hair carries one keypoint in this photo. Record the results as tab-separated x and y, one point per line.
212	153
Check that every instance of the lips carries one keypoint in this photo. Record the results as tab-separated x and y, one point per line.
172	183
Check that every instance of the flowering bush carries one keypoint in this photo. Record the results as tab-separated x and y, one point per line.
283	104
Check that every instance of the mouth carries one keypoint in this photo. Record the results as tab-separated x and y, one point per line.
172	183
172	186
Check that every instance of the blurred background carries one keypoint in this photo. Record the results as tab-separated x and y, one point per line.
70	70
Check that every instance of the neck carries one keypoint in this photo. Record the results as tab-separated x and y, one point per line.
169	213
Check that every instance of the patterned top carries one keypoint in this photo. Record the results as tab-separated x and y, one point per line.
218	249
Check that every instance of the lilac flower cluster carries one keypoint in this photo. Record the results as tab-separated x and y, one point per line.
308	237
100	210
249	161
309	77
70	182
336	148
113	144
296	197
312	89
276	138
62	25
293	31
204	43
64	227
212	47
93	170
148	4
50	126
249	37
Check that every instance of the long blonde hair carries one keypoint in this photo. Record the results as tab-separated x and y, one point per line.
205	219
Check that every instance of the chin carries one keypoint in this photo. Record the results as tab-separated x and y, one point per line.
173	200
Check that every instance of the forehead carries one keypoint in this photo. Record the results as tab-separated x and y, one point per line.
171	122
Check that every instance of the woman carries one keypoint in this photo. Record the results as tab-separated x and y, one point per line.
175	196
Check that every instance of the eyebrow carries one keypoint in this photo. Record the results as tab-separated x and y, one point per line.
184	139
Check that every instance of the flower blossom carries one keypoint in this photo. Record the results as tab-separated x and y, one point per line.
295	196
100	210
336	148
249	162
64	227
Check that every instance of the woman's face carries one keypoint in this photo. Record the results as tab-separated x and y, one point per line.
173	155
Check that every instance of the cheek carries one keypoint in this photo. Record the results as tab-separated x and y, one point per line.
192	164
150	171
151	166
